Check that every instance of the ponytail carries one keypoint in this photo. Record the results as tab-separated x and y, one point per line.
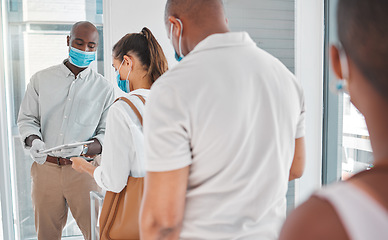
158	62
146	48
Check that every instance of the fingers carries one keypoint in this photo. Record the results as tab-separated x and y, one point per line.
40	160
76	159
38	145
78	163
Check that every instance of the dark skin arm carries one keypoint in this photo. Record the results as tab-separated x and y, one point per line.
163	204
297	167
31	138
94	148
315	219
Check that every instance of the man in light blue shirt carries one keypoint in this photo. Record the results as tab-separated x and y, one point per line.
63	104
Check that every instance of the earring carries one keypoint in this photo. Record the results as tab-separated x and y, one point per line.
338	86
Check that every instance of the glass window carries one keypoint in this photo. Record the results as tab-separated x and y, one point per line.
36	38
346	143
1	222
357	151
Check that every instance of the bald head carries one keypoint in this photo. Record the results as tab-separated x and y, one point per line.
196	11
83	26
83	36
363	32
191	21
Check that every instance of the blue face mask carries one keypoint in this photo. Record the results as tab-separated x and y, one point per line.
80	58
179	56
123	84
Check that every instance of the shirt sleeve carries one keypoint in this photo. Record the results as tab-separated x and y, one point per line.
29	115
112	174
166	130
300	128
100	130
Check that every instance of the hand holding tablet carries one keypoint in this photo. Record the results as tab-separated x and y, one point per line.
65	146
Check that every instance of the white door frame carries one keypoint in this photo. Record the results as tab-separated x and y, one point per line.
5	140
309	68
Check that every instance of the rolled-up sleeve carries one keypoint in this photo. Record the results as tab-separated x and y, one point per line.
29	115
118	152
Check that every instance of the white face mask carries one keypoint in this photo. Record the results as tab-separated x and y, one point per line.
341	86
180	56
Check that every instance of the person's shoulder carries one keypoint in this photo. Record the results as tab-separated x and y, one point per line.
177	77
95	75
314	219
117	108
169	78
47	71
122	111
44	74
100	79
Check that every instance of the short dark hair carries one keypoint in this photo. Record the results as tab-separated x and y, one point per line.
145	46
363	32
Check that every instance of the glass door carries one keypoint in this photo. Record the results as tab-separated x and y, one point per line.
1	221
36	39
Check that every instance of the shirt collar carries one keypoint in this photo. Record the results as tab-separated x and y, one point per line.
222	40
140	91
68	73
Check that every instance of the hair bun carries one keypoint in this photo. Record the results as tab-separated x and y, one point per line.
145	32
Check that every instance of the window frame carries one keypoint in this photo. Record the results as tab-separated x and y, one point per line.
333	105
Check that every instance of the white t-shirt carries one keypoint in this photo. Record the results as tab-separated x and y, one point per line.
123	151
232	112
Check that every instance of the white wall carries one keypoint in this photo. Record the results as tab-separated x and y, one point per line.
309	70
128	16
269	23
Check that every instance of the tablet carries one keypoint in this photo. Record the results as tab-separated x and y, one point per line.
64	146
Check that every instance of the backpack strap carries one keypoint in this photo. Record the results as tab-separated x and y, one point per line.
135	110
140	97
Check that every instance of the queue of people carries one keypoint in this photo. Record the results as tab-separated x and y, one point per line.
222	135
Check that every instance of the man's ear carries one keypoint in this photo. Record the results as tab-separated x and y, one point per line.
177	27
68	40
335	61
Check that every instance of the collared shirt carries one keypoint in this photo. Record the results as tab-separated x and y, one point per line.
123	153
61	108
231	112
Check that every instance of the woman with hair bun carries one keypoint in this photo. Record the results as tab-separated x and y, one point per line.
139	61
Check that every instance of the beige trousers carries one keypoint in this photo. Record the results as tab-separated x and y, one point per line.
54	189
